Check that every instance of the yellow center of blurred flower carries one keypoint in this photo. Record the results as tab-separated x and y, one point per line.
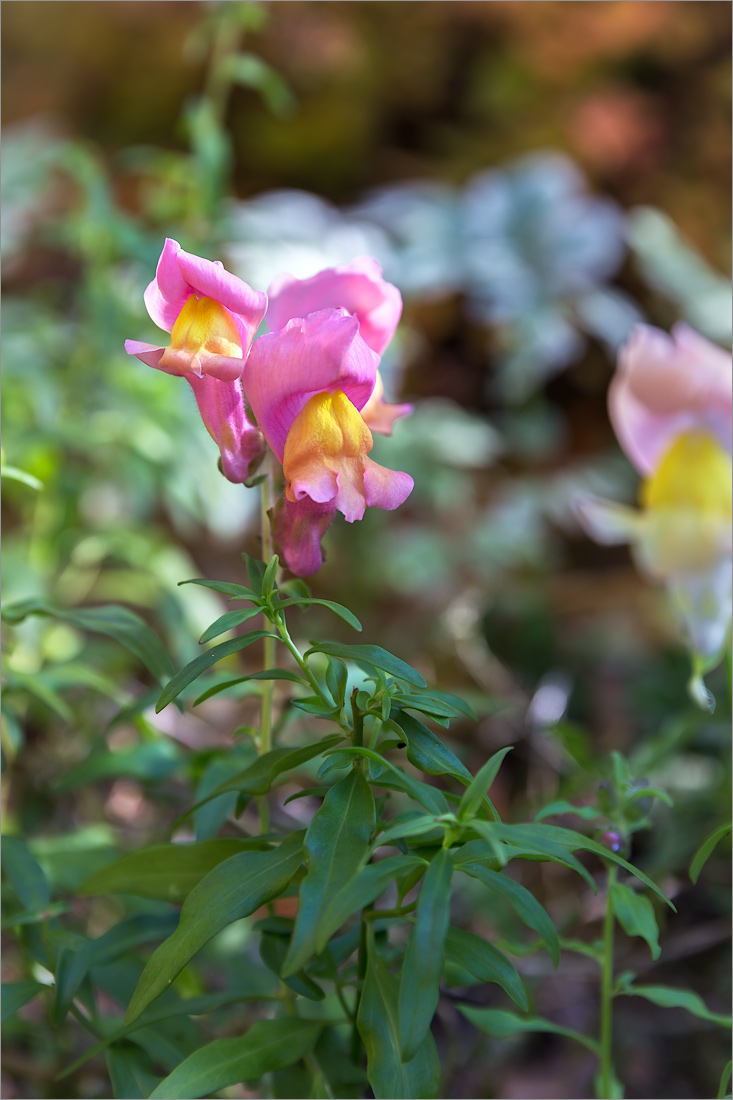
203	328
687	503
695	475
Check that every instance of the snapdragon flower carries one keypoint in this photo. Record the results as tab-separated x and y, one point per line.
309	385
359	288
670	405
306	384
212	317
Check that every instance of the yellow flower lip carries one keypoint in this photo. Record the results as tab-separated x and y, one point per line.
694	476
203	330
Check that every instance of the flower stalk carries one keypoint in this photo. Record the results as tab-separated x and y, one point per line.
606	1026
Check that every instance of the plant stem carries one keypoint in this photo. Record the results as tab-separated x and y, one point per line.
606	1035
268	644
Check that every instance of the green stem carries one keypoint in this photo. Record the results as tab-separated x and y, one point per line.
606	1035
268	648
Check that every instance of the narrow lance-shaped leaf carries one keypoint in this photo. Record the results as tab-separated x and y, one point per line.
25	873
666	997
259	776
337	608
234	889
474	794
227	622
379	1028
426	750
167	872
486	963
502	1025
423	965
119	623
194	669
374	656
635	914
362	890
267	1046
336	847
524	903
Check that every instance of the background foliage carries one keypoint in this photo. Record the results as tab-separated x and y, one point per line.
534	178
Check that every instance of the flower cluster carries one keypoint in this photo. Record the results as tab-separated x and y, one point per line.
309	388
670	405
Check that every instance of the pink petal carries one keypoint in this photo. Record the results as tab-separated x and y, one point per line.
221	404
378	415
320	353
297	530
667	385
167	293
357	287
149	354
210	279
385	488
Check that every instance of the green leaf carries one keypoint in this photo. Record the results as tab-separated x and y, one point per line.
268	674
412	823
336	847
479	787
725	1081
703	852
486	963
251	71
13	473
379	1027
363	889
337	678
227	622
430	797
166	872
148	761
129	1072
541	842
26	875
192	1006
16	994
635	914
502	1025
337	608
236	591
426	704
194	669
72	964
588	813
119	623
524	903
666	997
255	572
234	889
501	852
372	655
269	577
273	949
423	964
209	819
426	751
267	1046
576	841
259	777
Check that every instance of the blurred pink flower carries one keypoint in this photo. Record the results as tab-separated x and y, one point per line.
357	287
670	404
212	317
306	384
666	385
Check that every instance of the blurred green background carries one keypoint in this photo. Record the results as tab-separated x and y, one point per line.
535	177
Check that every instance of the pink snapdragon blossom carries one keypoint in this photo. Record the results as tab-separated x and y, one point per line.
357	287
670	404
212	317
306	384
665	385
